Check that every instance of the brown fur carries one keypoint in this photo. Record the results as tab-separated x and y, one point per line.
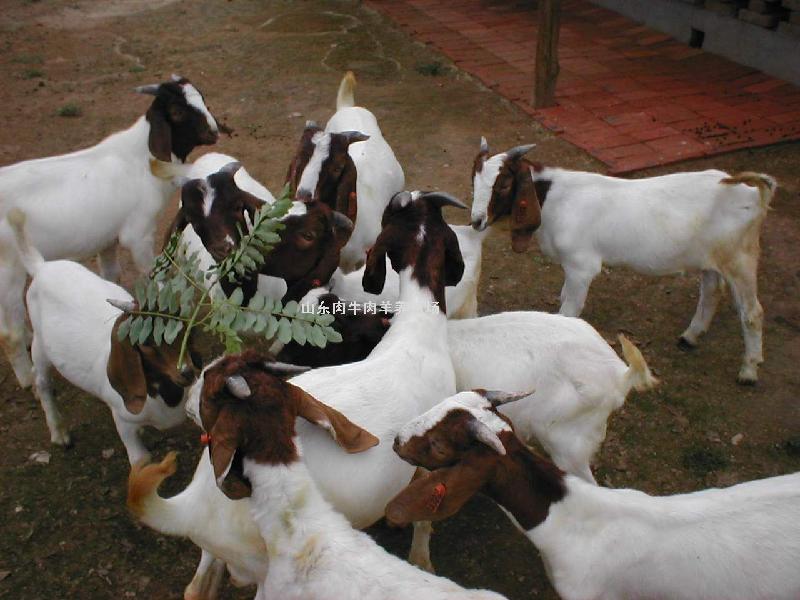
144	481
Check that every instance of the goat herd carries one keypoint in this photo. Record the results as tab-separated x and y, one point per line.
428	411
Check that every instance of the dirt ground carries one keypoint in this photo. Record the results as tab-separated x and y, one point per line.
264	68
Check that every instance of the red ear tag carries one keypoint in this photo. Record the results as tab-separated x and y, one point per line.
316	283
205	438
439	492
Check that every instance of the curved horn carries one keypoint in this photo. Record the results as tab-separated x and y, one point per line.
282	368
231	168
341	221
498	398
484	435
484	146
311	123
237	385
123	305
150	90
176	78
443	199
401	200
353	136
519	151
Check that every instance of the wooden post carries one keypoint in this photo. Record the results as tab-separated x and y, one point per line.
544	94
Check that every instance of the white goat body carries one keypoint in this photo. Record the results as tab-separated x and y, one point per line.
462	299
577	378
737	543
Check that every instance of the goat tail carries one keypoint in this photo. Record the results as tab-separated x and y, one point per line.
638	375
346	96
143	499
766	184
30	257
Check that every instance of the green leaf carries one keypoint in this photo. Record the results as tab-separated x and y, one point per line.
298	332
237	296
332	335
136	329
272	327
261	322
325	319
124	329
285	331
171	332
291	309
152	294
256	302
239	321
163	297
147	329
140	292
187	302
158	330
317	338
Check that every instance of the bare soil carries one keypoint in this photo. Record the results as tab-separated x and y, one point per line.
265	67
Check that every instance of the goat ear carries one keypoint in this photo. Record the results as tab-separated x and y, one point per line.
125	371
160	139
374	277
346	199
347	434
226	459
526	212
453	260
441	493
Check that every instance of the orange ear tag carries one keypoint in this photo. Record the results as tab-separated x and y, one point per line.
316	283
439	492
205	438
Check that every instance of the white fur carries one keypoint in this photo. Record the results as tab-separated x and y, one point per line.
72	324
657	226
195	99
408	372
577	377
737	543
482	185
462	299
310	177
316	555
78	205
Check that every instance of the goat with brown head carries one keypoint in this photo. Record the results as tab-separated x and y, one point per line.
249	412
472	448
504	185
179	119
415	236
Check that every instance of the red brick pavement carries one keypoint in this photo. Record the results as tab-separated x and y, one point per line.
629	95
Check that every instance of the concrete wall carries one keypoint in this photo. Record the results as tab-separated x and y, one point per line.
764	49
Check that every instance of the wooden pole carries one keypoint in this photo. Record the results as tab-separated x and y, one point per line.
544	94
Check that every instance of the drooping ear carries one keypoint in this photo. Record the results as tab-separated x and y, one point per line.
346	198
441	493
160	139
347	434
453	260
374	276
226	459
125	371
526	212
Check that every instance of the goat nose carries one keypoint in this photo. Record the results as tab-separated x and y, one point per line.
396	444
477	224
187	373
303	195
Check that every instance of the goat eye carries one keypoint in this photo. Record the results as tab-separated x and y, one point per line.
308	236
177	113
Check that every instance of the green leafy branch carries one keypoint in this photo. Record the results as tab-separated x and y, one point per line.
178	296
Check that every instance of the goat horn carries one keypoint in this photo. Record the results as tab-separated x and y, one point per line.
311	123
497	398
231	168
176	78
519	151
150	90
401	199
123	305
443	199
354	136
281	368
483	434
237	385
484	146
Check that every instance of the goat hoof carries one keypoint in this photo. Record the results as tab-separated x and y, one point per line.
63	439
747	375
748	381
685	344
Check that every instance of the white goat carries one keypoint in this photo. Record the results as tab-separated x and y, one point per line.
75	331
86	202
708	221
314	553
576	377
737	543
408	372
357	179
462	299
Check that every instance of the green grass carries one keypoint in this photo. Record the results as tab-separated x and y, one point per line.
70	109
32	73
28	59
432	69
136	69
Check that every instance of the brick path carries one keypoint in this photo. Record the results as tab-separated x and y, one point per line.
631	96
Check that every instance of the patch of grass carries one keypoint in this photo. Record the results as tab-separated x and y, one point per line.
70	109
32	73
136	69
702	460
28	59
435	68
